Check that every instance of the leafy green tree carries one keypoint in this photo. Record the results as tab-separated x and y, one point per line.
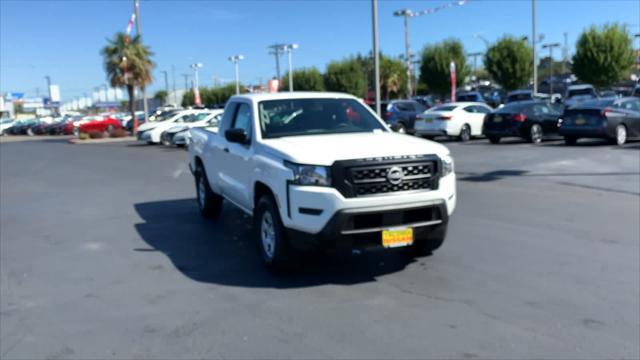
304	80
603	56
211	96
188	98
128	64
509	62
345	76
434	68
393	77
161	95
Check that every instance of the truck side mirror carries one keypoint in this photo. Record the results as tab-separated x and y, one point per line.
237	135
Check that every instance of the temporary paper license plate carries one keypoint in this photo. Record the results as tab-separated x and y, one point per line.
580	120
428	120
397	237
497	119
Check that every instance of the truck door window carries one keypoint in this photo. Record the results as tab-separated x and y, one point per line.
242	120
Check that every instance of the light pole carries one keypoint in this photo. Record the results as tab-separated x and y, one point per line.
236	60
196	83
484	40
186	81
406	13
289	49
136	7
550	47
376	54
533	47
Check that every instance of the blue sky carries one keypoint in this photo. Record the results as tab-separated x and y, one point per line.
63	38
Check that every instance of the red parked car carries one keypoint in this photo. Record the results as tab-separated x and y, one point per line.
107	124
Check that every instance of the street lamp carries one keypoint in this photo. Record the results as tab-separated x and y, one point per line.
475	64
484	40
235	59
196	84
550	47
289	49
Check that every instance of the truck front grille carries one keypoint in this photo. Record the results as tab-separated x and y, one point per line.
383	176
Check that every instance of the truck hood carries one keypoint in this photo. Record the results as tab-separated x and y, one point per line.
325	149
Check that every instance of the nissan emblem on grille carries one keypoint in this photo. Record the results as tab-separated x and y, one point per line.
395	175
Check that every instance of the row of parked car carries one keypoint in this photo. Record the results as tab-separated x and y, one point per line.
614	118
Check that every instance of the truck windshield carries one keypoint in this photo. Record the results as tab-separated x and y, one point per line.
293	117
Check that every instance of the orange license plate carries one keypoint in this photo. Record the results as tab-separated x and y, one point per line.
580	121
397	237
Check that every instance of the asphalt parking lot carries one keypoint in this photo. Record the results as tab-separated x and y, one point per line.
103	255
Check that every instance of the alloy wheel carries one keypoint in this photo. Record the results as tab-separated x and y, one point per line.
268	235
621	134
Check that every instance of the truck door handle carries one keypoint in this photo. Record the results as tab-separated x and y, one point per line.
226	149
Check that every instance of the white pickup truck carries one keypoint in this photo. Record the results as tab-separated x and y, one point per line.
319	171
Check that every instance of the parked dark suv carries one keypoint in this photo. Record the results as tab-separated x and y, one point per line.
401	114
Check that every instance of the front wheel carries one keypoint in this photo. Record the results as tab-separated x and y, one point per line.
209	203
535	134
165	140
570	140
271	236
465	133
494	139
621	134
30	132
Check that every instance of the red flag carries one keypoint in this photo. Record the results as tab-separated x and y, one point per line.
452	68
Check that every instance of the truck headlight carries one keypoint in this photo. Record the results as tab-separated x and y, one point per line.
309	174
447	165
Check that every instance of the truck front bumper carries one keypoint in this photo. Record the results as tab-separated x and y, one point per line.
321	215
362	228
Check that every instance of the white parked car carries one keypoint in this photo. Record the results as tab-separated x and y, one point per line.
151	131
319	171
176	135
460	119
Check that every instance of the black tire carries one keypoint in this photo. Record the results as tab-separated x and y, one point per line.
277	253
164	139
426	246
535	134
465	133
209	203
401	128
30	132
109	129
570	140
494	139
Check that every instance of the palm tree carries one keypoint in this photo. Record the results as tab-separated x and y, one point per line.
128	64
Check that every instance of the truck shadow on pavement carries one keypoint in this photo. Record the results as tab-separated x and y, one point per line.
224	251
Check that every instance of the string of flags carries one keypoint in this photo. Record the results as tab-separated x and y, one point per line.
130	24
438	8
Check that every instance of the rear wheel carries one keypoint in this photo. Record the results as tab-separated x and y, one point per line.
570	140
109	129
432	242
271	236
400	128
30	132
494	139
165	140
209	203
621	134
465	133
535	134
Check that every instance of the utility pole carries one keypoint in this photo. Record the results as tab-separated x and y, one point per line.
236	59
550	47
186	81
406	13
277	51
173	80
166	82
565	54
144	92
475	64
376	55
533	47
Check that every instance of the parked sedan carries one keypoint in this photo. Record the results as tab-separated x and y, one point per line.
5	125
24	127
106	124
462	120
204	119
530	120
183	137
152	131
401	114
614	119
